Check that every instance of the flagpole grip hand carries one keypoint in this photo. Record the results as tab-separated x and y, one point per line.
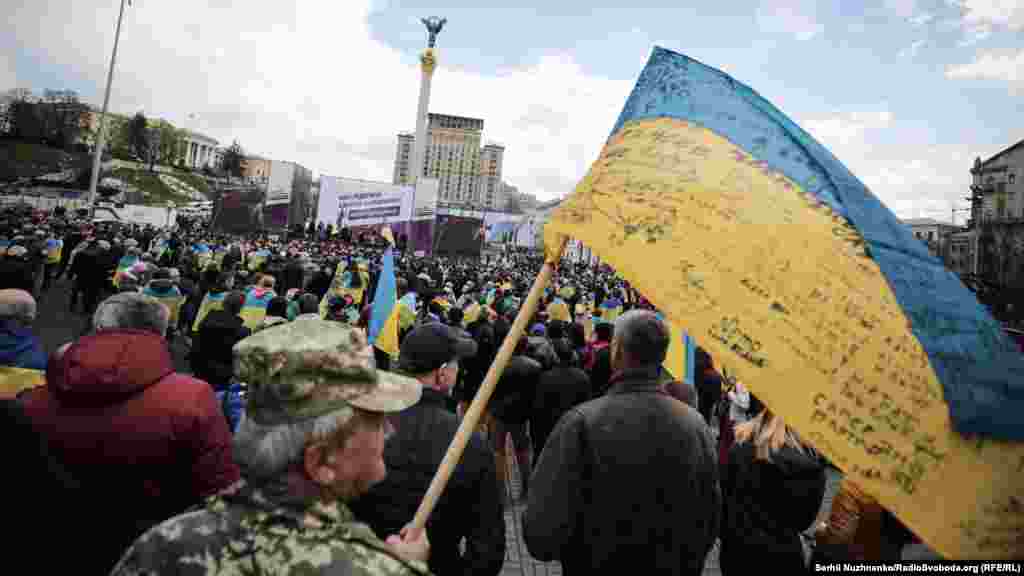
476	408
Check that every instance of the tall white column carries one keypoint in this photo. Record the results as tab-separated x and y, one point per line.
428	61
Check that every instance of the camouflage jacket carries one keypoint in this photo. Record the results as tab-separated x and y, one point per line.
248	532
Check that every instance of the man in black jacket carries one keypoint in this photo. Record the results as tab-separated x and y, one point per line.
212	356
629	479
469	507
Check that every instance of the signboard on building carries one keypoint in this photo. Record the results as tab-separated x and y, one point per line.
349	202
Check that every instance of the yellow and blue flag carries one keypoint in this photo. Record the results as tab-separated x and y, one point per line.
255	308
14	380
383	329
729	217
54	247
682	354
212	301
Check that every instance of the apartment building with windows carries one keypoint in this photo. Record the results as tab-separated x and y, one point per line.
467	174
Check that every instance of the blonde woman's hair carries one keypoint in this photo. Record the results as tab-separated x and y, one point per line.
769	434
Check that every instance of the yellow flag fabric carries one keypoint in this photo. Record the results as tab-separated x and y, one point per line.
471	314
559	310
802	316
15	380
740	226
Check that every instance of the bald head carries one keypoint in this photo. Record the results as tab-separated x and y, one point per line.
640	339
17	305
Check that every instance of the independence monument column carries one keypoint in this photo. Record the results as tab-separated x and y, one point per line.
428	61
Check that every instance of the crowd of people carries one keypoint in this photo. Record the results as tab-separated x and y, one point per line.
292	445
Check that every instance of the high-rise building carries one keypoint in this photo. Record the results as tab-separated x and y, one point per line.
491	186
467	174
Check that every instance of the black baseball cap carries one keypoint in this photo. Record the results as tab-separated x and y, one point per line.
430	346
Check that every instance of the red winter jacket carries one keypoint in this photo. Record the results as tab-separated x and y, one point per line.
145	442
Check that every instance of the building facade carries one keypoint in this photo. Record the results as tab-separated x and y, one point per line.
936	235
467	174
198	150
255	168
997	216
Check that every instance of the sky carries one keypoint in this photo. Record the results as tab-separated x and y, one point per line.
906	93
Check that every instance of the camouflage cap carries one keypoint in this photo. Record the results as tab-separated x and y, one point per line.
303	370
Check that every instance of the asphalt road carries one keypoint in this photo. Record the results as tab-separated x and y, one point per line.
56	324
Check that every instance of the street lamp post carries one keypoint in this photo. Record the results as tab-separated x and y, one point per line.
101	130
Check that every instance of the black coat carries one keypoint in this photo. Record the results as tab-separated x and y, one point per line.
17	273
601	372
468	508
628	481
212	358
36	475
767	505
512	400
558	390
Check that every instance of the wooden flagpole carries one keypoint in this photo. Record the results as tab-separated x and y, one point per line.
476	408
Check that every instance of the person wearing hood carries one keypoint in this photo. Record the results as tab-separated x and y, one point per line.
144	441
163	289
772	487
19	347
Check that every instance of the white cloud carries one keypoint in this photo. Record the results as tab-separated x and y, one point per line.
1008	13
1005	66
912	50
980	18
306	82
913	181
796	17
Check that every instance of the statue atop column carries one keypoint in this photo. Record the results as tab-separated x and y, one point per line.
434	26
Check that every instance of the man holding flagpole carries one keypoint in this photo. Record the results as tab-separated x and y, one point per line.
470	506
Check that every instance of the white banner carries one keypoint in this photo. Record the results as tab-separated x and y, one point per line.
279	185
348	202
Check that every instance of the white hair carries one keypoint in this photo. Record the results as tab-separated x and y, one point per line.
131	310
268	451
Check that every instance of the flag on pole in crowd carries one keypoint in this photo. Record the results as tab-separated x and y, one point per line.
384	316
736	223
682	352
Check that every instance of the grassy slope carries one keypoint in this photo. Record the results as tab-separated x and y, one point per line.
196	182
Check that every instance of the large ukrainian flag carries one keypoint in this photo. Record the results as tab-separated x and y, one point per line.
739	225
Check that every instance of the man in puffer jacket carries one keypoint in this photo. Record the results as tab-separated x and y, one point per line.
145	442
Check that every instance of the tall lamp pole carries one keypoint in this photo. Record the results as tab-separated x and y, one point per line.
98	153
